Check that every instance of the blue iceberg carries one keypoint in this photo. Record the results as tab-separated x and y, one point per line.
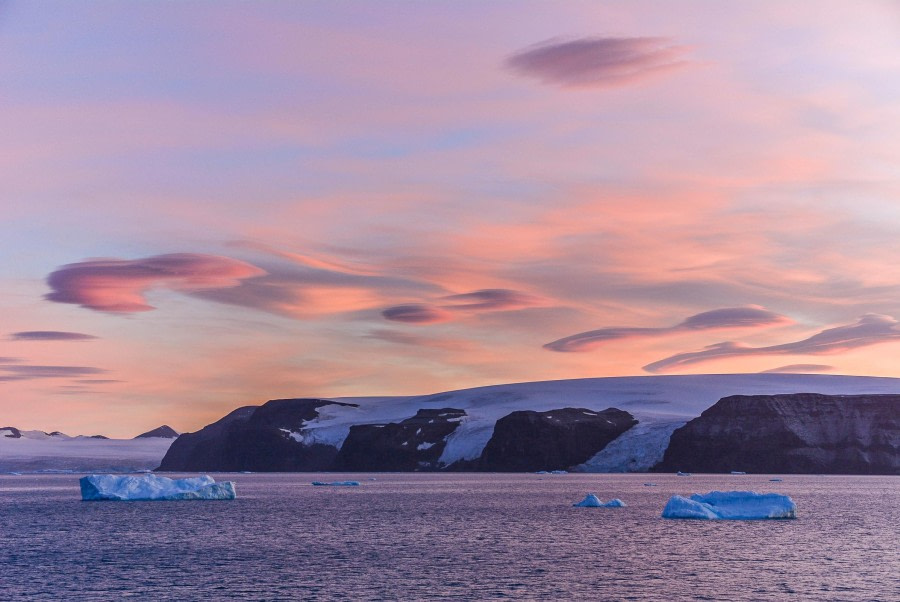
151	487
592	501
731	505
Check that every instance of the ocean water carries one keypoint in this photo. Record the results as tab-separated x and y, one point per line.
450	536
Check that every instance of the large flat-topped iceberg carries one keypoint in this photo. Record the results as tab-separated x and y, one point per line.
731	505
152	488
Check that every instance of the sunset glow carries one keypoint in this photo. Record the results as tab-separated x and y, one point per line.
206	205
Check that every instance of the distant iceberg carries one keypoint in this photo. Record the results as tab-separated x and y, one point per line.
731	505
336	484
152	488
682	474
592	501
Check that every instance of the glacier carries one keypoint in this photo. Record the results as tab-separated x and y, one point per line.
592	501
153	488
731	505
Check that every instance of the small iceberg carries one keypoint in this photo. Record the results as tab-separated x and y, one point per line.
738	472
592	501
542	472
682	474
559	472
336	484
151	487
775	480
731	505
650	485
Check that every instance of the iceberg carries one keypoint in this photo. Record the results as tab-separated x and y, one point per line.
336	484
731	505
682	474
592	501
152	488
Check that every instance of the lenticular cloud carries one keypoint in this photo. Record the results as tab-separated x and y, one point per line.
119	285
597	62
751	316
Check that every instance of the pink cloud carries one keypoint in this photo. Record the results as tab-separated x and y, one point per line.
870	329
729	317
119	285
597	62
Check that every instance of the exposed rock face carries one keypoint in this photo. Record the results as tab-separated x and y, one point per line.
413	444
165	431
10	432
208	448
795	433
267	438
527	441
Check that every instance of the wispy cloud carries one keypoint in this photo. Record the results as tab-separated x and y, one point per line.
598	62
50	335
416	313
24	372
494	299
751	316
119	285
406	338
799	369
869	330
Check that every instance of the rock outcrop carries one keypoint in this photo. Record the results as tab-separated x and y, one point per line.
412	444
165	431
526	441
267	438
10	432
791	433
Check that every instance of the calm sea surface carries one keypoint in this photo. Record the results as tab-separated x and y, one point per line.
460	536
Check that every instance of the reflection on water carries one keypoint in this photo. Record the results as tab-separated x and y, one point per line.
465	536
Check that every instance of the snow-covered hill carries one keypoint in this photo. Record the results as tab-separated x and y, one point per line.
37	451
660	403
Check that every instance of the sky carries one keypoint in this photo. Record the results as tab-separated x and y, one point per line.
209	204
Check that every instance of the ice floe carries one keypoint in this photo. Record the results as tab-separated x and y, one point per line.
152	488
336	483
731	505
592	501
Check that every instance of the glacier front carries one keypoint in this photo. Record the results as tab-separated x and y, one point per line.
152	488
731	505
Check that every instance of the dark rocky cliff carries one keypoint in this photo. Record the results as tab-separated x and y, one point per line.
554	440
206	449
791	433
265	438
413	444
